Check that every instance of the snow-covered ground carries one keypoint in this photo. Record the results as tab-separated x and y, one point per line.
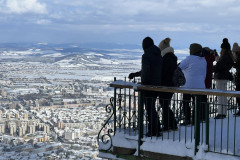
222	135
91	64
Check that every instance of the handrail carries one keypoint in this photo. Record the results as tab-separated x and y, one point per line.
123	84
216	92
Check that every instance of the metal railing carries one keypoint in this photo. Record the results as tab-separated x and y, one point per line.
128	115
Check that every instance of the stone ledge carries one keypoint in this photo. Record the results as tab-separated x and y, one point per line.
161	156
124	151
128	153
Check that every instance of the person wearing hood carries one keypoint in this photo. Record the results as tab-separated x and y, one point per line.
169	65
194	68
222	75
151	74
236	65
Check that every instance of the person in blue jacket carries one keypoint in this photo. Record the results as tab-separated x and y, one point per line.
194	68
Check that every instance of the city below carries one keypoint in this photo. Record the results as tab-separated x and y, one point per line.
52	100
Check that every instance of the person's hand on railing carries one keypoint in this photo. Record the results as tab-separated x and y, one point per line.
131	75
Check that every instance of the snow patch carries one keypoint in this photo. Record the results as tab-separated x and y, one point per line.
119	140
53	55
125	83
166	147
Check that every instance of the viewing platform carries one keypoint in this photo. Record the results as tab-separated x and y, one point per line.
125	133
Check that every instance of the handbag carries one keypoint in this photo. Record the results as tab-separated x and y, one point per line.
178	78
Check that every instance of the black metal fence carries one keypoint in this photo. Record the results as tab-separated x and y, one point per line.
192	119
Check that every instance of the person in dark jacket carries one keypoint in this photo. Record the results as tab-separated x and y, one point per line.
222	76
210	56
151	74
236	52
169	65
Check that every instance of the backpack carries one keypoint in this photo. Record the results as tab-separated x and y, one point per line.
178	78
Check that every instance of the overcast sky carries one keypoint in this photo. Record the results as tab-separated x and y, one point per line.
120	21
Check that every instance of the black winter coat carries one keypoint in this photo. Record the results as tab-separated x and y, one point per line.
169	65
151	73
237	74
221	69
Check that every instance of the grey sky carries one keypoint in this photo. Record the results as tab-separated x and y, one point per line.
120	21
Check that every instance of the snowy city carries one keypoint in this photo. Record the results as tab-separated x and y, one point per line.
52	102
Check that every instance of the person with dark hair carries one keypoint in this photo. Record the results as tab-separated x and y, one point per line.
222	76
169	65
210	56
194	68
236	65
151	74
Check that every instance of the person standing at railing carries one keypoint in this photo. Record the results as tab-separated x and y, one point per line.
236	55
210	56
151	74
169	65
222	75
194	68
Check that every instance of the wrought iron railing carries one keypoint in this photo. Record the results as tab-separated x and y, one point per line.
122	112
127	115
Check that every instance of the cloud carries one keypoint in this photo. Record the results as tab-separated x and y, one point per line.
101	12
25	6
43	21
119	17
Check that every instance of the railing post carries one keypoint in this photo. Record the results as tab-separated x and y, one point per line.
207	123
140	120
114	107
197	122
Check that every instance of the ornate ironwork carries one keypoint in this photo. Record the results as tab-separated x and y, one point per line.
106	138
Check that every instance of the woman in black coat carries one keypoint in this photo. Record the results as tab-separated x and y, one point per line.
168	67
150	75
236	52
222	75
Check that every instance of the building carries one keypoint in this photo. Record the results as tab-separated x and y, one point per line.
31	129
8	115
69	135
12	128
20	131
17	115
25	116
46	129
2	128
60	125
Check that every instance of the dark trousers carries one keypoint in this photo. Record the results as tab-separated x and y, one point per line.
152	116
187	108
168	119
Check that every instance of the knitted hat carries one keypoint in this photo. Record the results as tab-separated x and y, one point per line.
147	42
195	48
236	47
225	44
164	43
